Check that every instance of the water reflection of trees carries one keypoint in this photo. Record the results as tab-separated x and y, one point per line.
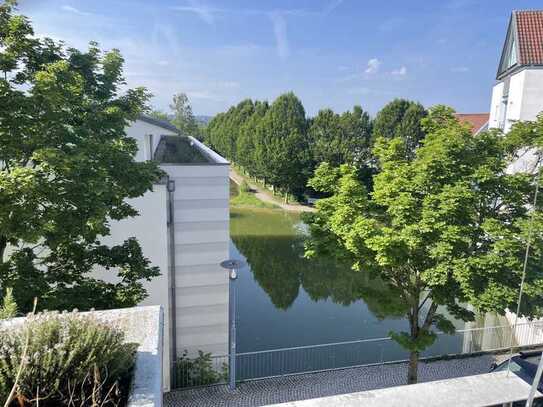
273	247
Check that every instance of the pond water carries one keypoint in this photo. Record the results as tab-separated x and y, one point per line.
285	300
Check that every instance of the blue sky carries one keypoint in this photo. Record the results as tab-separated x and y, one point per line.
331	53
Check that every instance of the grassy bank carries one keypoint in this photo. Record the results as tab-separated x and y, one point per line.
240	197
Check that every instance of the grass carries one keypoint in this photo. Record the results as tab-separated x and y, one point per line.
241	198
279	196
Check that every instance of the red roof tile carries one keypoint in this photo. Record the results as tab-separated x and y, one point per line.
530	36
475	120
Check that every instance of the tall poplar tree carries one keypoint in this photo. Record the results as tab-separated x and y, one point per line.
282	146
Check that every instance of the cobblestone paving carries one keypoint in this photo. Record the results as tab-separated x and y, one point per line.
312	385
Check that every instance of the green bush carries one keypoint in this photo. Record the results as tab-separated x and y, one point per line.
199	371
71	360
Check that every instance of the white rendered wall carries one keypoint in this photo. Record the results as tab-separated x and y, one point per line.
497	93
151	230
524	103
532	101
201	227
525	100
514	102
139	130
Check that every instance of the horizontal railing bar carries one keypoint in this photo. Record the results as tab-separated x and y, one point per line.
388	362
309	359
320	345
369	340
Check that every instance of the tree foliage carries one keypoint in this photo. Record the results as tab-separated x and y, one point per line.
183	118
66	169
445	227
277	144
341	139
401	118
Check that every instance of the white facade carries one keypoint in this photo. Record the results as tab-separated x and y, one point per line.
518	97
183	228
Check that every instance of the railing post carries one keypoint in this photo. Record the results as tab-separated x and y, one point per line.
232	335
232	265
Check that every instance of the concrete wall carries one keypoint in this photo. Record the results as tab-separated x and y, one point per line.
497	93
200	220
524	103
525	99
201	230
532	101
151	230
140	131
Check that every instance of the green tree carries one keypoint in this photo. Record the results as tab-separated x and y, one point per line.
401	118
160	115
341	139
224	129
183	118
66	169
246	142
444	228
281	147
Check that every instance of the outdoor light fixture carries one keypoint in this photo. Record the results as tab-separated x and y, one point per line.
232	265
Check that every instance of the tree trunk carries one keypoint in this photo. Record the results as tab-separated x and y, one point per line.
3	245
412	370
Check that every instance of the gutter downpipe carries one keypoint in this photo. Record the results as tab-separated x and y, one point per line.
170	186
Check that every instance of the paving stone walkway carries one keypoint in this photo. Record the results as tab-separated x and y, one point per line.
312	385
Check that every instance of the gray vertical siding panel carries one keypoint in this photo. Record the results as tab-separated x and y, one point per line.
201	223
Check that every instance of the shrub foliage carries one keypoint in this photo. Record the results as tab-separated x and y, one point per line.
71	360
199	371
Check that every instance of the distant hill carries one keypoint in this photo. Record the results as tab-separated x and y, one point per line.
203	119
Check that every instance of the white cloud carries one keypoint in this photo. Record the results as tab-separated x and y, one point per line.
206	13
332	6
460	69
163	63
402	71
373	66
71	9
280	32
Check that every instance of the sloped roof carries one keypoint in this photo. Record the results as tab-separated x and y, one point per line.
477	121
530	36
157	122
523	44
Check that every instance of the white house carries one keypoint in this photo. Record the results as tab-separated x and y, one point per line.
518	92
517	95
183	228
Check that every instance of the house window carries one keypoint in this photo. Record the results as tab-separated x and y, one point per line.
512	60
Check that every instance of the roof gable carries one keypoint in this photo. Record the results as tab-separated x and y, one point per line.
524	42
509	56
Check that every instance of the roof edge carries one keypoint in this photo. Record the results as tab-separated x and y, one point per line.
157	122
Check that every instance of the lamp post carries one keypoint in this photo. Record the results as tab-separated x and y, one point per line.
232	265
